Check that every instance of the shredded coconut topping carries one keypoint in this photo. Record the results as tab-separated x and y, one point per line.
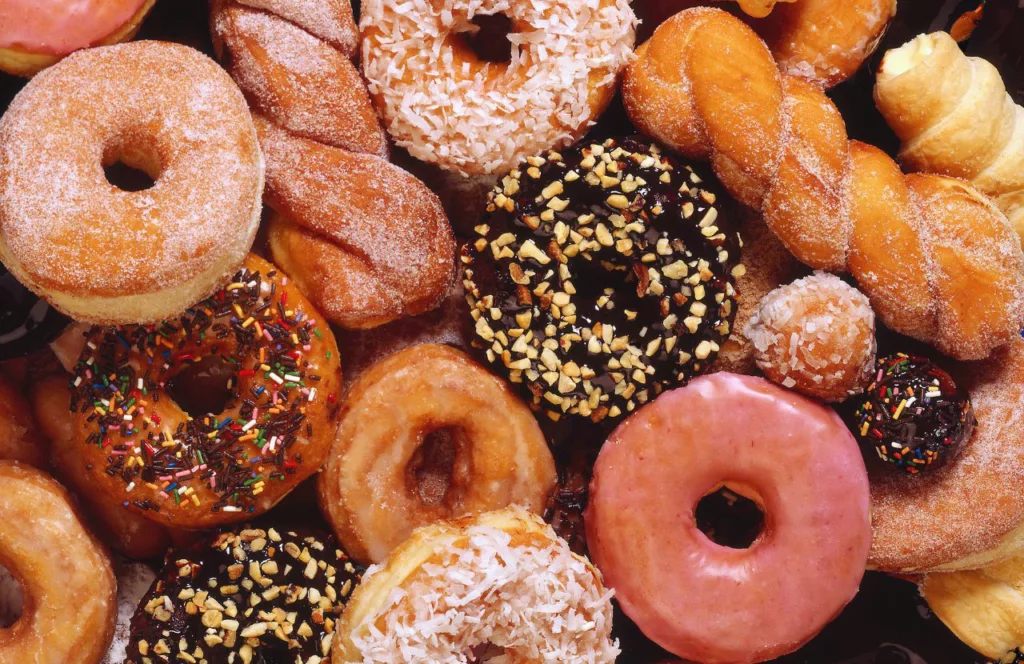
477	117
538	603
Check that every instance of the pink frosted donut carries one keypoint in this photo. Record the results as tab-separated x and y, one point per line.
36	33
705	602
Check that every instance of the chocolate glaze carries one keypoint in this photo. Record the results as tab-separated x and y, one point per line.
912	415
250	588
27	323
634	243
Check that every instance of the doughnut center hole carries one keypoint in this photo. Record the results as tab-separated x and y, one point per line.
131	167
202	388
435	466
489	38
729	518
12	601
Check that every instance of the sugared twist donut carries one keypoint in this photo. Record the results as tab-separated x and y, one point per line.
792	457
20	439
600	276
445	105
250	595
267	369
817	336
502	579
100	253
66	579
938	260
427	435
36	33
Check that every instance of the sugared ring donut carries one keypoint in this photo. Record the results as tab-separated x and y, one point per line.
428	434
792	457
101	253
67	583
502	579
600	276
249	595
216	415
446	105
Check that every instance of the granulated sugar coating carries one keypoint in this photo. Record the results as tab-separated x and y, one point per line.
112	255
445	106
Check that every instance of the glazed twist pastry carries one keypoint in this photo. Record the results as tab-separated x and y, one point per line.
955	117
937	259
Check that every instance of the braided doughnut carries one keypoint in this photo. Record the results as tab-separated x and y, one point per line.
938	260
365	241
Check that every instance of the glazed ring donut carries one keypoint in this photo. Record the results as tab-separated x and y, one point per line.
791	456
387	476
34	34
446	106
258	369
100	253
968	513
601	276
67	583
501	578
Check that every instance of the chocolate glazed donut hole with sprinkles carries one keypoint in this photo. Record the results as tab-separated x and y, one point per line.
600	276
215	416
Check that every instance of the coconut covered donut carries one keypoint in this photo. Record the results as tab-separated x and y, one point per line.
100	253
503	579
445	105
214	416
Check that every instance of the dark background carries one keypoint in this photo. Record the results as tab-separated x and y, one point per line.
887	623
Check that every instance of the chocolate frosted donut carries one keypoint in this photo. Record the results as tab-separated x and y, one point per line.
27	323
600	276
253	595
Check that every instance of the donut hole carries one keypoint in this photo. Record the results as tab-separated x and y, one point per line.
488	37
204	387
434	470
729	518
11	599
131	168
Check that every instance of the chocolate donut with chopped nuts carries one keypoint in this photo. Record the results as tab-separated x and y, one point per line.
601	276
249	596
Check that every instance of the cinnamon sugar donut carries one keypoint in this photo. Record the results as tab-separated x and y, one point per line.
103	254
37	33
292	61
427	434
445	105
212	417
970	512
364	240
65	575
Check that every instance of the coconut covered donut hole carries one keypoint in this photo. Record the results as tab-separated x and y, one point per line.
816	336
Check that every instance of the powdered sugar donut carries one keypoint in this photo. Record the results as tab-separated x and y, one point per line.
446	105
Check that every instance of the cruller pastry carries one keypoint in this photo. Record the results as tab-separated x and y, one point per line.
955	117
937	259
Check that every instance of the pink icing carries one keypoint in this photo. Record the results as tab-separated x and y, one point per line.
58	27
703	601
